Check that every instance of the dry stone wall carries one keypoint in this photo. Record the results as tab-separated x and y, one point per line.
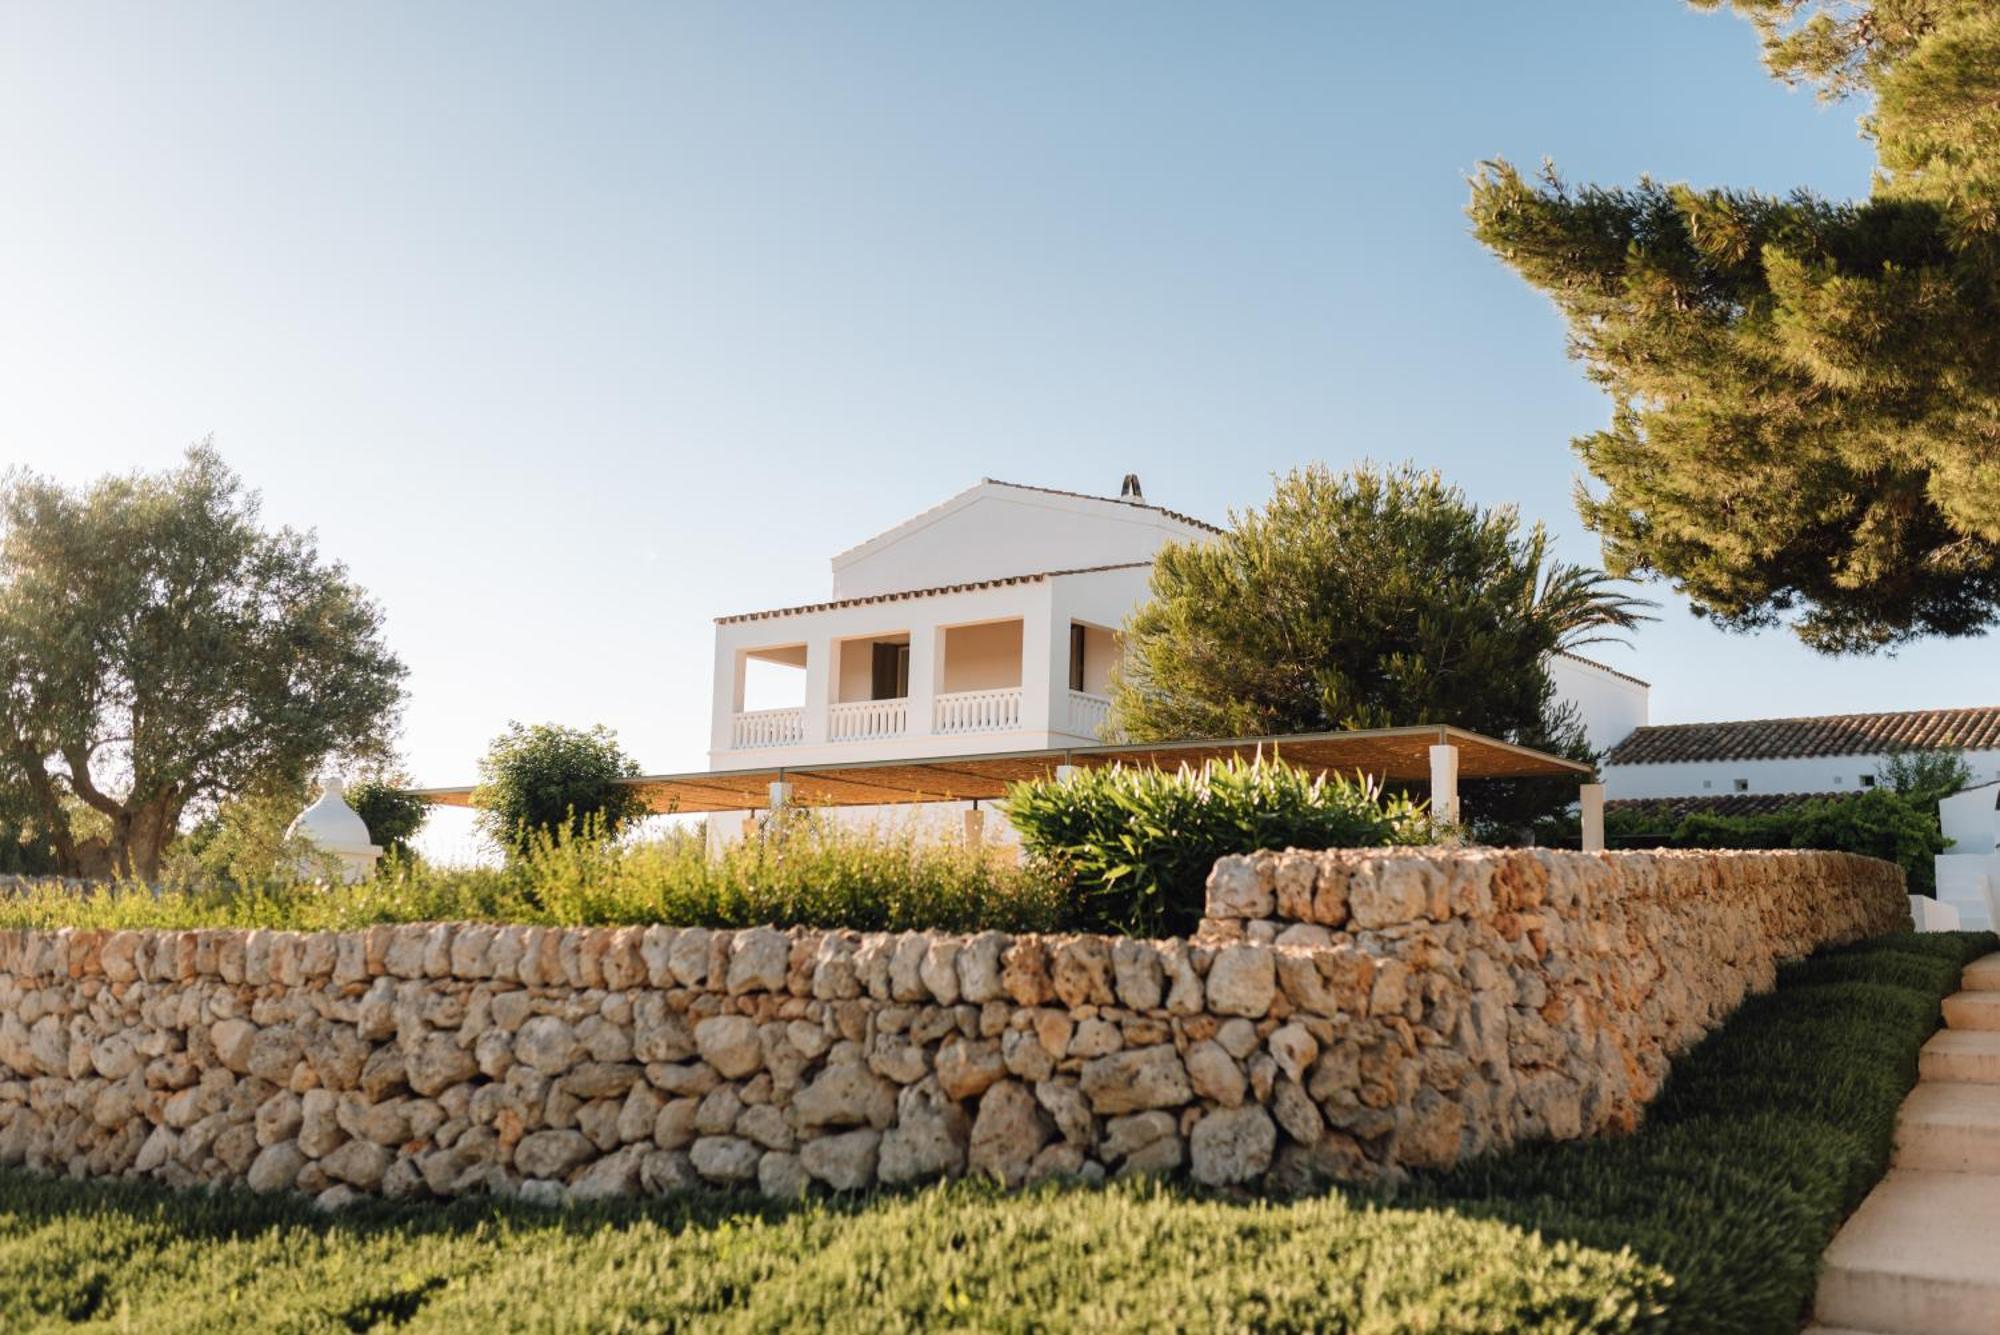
1343	1015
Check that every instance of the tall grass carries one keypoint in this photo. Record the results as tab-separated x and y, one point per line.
808	875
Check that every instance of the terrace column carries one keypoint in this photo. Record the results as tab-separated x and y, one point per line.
926	666
821	674
1044	661
975	827
1591	798
1444	785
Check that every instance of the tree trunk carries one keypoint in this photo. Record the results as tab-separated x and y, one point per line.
147	829
48	806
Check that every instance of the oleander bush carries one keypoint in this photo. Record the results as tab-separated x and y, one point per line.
810	874
1135	846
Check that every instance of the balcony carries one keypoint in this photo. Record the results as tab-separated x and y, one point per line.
978	711
768	727
867	720
1087	714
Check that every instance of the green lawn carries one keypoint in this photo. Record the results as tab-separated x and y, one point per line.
1711	1219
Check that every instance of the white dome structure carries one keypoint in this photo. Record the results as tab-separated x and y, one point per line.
332	827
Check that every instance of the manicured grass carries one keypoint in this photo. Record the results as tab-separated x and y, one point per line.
1766	1137
815	877
1711	1218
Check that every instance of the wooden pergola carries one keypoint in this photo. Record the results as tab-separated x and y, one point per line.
1438	754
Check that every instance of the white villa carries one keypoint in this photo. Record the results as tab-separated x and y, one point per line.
986	625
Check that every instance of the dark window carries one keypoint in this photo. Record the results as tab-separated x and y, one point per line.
890	672
1868	781
1743	785
1075	657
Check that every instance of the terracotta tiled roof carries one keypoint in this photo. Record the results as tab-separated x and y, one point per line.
1718	804
1827	735
901	594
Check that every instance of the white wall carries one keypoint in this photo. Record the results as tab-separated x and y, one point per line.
993	531
982	658
1803	774
1611	705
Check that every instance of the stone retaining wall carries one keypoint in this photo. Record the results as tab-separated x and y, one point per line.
1416	1007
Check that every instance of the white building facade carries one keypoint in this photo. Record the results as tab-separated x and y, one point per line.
987	624
1832	753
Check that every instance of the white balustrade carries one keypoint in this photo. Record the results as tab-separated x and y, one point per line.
979	711
768	727
1087	713
865	720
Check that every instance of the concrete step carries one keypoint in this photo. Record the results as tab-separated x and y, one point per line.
1972	1010
1982	975
1950	1127
1922	1254
1961	1054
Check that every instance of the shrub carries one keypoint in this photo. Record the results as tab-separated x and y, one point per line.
809	877
391	812
1136	845
1879	823
548	779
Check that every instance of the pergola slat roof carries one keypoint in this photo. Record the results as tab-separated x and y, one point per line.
1395	754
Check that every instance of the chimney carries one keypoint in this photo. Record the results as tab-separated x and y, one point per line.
1129	490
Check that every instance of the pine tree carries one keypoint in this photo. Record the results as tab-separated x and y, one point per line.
1806	421
1367	599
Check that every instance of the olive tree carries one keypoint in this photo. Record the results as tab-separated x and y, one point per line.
163	651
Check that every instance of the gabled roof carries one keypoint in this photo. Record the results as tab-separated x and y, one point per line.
901	594
1826	735
1602	667
1108	500
953	502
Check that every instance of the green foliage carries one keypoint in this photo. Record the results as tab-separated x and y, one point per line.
1366	599
807	876
1766	1136
1369	599
1924	777
1877	823
1806	393
1136	845
25	848
161	651
243	842
549	779
1711	1218
391	812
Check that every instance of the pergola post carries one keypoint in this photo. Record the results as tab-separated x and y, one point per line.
781	801
975	826
1590	797
1444	784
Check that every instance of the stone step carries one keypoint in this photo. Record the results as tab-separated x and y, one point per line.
1950	1127
1982	975
1961	1054
1972	1010
1922	1254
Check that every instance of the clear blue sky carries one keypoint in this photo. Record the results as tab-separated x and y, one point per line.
571	327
